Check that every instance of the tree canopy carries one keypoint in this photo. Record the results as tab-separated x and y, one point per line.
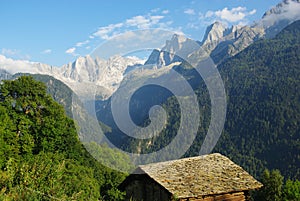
41	157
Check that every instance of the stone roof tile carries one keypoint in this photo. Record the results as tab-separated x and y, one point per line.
201	175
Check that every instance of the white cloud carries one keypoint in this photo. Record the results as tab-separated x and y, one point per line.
9	52
71	51
252	12
290	11
189	11
15	66
237	14
133	40
209	13
233	15
106	31
137	59
47	51
16	54
147	21
155	19
155	10
139	22
165	12
144	22
79	44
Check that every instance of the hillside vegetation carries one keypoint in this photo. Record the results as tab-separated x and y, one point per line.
41	157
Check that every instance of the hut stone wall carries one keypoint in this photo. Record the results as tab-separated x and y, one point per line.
143	188
237	196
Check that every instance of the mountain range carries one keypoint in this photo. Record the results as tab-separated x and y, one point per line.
88	75
81	74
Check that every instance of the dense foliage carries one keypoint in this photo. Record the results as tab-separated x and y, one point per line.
276	189
263	120
59	91
41	157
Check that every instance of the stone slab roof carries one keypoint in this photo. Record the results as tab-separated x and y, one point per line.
199	176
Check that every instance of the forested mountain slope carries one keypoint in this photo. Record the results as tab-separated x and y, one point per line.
263	118
262	128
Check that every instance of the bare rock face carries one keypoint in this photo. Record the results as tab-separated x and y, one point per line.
213	35
96	76
219	41
176	49
236	40
4	75
222	42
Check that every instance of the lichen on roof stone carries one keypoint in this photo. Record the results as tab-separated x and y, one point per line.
201	175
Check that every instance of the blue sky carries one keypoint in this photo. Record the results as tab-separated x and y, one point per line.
56	32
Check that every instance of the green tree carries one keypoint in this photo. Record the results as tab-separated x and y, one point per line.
46	176
35	121
291	190
41	157
272	189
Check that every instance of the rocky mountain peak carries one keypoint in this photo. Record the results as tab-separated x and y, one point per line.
175	43
95	71
235	28
278	17
175	49
280	8
214	32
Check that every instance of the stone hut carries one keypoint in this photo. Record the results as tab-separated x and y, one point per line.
211	177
